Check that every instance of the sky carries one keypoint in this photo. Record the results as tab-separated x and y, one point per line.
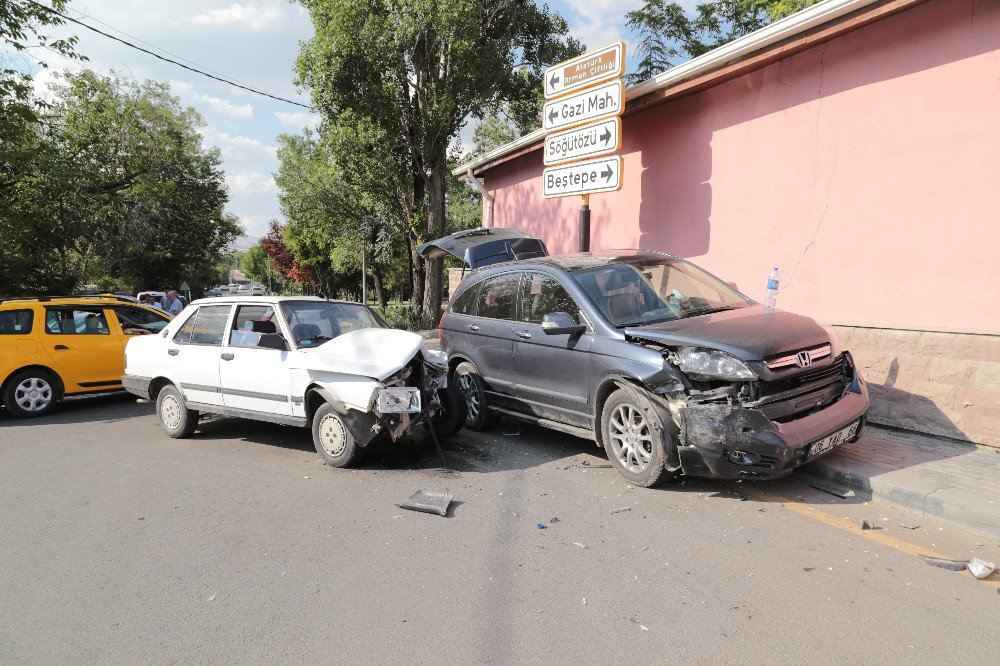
253	42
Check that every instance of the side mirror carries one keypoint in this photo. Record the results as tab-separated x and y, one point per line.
561	323
272	341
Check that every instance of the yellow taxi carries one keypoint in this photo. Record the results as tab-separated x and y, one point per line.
54	347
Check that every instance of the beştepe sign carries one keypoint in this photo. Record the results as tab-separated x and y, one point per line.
600	175
600	138
585	70
603	101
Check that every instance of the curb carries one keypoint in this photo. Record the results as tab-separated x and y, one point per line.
948	506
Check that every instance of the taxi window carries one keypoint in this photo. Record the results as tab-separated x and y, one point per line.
15	322
76	321
207	326
138	321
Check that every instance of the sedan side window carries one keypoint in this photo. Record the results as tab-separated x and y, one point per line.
542	294
497	296
207	326
251	322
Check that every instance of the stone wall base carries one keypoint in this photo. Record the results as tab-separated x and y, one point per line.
945	384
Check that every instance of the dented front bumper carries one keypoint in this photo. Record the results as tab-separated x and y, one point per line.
713	435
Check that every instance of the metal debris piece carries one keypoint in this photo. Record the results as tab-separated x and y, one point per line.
554	520
865	525
428	501
907	526
587	465
583	600
622	509
979	568
951	565
579	545
842	494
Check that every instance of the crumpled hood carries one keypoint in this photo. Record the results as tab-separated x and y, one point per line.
747	333
369	352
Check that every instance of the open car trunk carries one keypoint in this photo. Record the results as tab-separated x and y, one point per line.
483	247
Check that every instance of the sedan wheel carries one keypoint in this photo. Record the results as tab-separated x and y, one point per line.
332	435
635	444
333	441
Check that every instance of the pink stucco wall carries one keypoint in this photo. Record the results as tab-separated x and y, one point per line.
866	168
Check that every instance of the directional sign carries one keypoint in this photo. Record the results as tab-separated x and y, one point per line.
602	175
585	70
604	101
600	138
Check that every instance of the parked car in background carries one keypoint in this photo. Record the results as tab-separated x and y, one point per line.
52	347
209	293
256	290
333	366
667	367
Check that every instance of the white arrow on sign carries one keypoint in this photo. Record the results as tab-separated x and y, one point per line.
601	175
585	70
600	138
603	101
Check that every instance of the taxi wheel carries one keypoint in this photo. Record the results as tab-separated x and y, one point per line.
31	393
173	414
478	415
333	440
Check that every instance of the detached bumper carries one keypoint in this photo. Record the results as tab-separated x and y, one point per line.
137	385
712	434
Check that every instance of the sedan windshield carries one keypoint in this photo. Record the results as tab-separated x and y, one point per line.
648	292
314	322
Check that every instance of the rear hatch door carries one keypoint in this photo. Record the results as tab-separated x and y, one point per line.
483	247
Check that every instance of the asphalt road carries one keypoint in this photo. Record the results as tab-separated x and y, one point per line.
119	544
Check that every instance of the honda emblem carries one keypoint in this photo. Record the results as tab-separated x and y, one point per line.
803	359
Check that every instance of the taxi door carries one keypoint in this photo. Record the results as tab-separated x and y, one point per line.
83	347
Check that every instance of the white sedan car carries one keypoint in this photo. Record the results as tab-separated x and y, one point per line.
331	365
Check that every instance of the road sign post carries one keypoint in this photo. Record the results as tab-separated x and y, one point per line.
585	96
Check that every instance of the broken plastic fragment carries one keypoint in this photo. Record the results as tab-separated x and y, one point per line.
622	509
428	502
541	526
979	568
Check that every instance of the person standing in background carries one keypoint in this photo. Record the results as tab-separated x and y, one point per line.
172	304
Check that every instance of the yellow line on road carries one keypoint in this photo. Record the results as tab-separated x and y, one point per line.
911	549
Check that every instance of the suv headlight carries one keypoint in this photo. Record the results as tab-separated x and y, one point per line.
710	364
398	400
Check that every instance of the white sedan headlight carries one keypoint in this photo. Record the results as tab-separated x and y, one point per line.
398	400
711	364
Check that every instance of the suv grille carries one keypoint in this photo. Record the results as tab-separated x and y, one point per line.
796	395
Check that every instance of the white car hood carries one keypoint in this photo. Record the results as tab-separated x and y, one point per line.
370	352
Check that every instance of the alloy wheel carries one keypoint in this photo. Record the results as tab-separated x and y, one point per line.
33	394
471	394
631	439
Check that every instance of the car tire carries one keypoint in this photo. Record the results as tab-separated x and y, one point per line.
473	389
173	414
451	419
634	446
332	438
31	393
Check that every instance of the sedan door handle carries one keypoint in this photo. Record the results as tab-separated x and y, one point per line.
228	357
173	352
524	335
60	347
473	327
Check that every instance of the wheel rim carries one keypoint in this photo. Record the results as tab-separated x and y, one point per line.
471	394
631	439
332	435
170	412
33	394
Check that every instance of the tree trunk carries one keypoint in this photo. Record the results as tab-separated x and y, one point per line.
436	227
380	294
416	273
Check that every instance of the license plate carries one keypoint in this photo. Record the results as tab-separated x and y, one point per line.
830	441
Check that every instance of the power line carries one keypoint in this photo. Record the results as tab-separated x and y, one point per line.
196	70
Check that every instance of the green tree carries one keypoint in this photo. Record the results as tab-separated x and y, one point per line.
119	191
668	34
411	72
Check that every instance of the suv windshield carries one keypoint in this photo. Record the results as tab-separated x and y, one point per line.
312	322
648	292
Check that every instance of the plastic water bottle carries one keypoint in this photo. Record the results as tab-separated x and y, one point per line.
771	298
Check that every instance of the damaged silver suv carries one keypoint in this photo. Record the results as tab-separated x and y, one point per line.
669	368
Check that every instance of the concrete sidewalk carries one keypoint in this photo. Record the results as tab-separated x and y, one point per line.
930	476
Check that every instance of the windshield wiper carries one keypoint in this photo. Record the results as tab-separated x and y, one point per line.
695	313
